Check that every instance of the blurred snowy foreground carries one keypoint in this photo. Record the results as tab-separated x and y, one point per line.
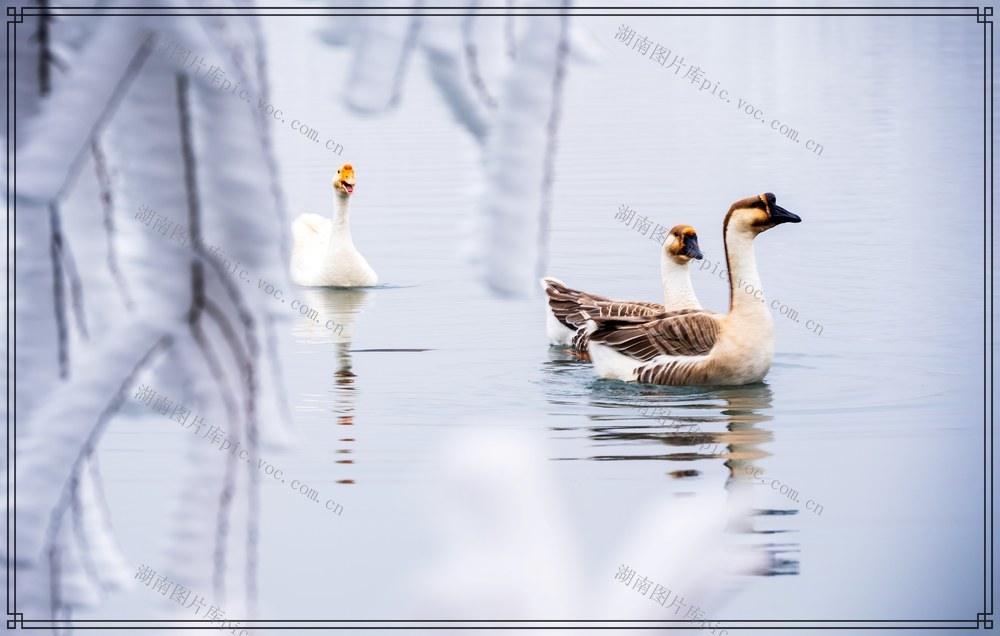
114	118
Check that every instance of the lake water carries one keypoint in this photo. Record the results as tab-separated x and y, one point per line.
878	418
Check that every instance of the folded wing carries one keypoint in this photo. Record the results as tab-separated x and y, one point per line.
572	308
684	333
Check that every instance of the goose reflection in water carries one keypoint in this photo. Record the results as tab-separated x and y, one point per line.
688	425
337	311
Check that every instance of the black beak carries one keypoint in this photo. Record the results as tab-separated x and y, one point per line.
691	248
781	215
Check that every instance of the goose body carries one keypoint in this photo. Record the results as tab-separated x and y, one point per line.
323	252
568	310
700	347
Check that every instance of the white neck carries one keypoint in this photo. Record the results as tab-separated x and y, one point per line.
677	290
745	291
340	229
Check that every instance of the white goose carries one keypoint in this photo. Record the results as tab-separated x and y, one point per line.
323	253
568	309
701	347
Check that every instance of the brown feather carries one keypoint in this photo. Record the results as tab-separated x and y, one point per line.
573	308
688	332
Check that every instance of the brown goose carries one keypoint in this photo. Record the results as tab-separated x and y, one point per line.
569	309
700	347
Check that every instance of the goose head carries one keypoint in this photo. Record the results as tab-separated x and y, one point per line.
343	181
682	245
758	214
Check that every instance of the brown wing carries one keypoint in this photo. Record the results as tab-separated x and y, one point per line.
572	307
689	332
621	309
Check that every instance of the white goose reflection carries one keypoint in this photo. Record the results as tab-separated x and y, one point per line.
332	317
330	314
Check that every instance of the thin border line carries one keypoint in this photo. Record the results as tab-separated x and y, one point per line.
433	11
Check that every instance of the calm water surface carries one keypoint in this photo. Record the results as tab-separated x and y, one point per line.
878	419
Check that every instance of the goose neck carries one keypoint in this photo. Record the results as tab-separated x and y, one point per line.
745	290
677	290
340	231
341	210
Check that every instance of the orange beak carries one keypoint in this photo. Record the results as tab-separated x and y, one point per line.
346	178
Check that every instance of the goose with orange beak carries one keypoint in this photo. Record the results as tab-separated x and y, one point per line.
323	252
570	309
